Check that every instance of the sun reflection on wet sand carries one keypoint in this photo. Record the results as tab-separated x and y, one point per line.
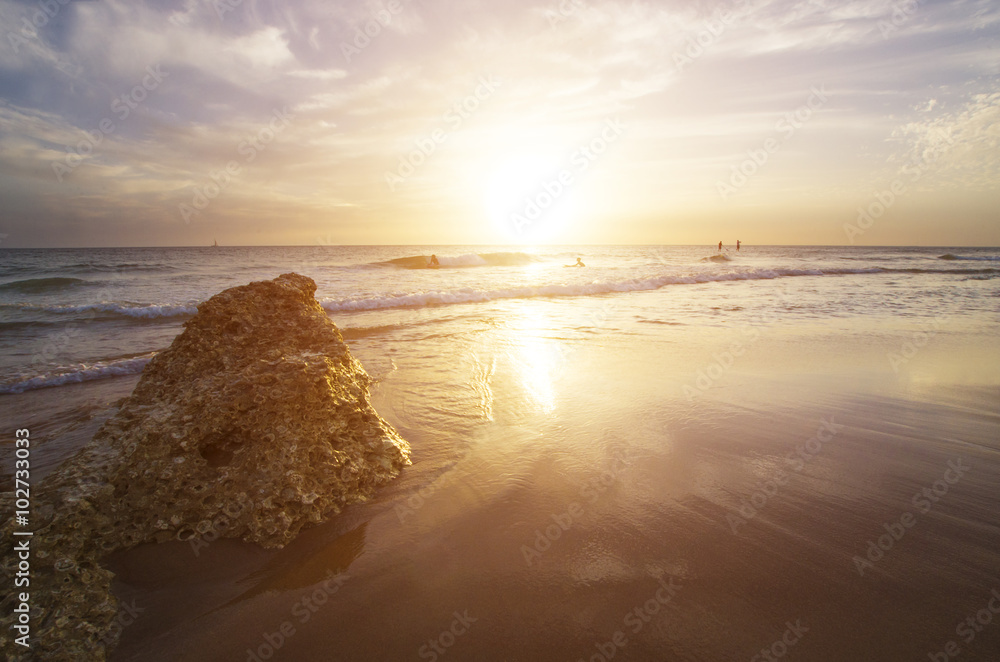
534	360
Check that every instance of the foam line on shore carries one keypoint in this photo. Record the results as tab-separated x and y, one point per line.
64	375
468	295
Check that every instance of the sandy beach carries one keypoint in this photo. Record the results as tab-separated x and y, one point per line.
808	501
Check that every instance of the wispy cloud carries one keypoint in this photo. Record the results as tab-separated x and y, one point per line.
366	79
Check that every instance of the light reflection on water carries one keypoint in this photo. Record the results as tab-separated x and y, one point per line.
534	358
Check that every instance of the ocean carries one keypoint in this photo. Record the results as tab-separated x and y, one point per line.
582	438
74	315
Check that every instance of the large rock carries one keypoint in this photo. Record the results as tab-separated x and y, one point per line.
253	424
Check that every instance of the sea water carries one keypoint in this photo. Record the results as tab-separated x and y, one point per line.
73	315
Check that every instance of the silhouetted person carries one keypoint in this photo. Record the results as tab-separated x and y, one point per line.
579	263
720	246
434	261
737	245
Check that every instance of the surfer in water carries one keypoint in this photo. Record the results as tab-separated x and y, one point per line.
433	262
720	246
579	263
737	245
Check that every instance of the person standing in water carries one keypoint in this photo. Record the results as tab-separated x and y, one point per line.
720	246
737	245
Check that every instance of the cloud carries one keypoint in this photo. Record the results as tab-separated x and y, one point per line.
960	148
566	66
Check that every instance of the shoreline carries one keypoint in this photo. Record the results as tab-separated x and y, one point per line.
663	514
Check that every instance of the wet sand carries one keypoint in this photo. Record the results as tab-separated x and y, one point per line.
571	501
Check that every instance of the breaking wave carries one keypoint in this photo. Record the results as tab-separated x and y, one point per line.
983	258
62	375
512	259
469	295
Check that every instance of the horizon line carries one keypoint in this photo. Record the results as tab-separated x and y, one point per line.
520	246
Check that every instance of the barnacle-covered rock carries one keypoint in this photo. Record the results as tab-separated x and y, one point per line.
254	423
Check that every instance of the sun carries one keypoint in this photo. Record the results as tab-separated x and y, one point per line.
530	198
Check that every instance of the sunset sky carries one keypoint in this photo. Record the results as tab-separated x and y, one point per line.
580	121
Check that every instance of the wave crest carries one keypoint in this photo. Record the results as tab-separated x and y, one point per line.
502	259
63	375
136	311
983	258
105	310
468	295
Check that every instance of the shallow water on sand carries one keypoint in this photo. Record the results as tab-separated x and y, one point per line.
691	472
551	515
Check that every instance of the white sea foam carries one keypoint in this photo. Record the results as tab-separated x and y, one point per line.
496	259
469	260
468	295
62	375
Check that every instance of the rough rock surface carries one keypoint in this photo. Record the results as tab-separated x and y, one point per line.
253	424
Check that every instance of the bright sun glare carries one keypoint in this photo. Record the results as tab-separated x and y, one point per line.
526	201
